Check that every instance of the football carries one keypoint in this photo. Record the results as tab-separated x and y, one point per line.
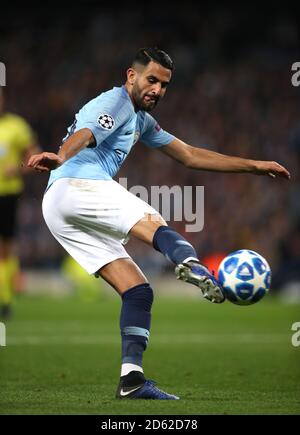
245	276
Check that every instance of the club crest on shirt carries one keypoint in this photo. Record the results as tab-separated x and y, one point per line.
106	121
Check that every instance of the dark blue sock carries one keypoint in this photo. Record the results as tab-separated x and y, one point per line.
135	322
175	247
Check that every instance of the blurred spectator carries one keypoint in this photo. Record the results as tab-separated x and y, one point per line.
289	260
17	144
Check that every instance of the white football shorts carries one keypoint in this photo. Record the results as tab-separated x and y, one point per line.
91	219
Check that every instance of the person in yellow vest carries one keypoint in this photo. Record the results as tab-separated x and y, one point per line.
17	143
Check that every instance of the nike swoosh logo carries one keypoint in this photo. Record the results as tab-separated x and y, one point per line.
125	393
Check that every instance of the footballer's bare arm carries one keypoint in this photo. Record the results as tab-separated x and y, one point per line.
201	158
45	161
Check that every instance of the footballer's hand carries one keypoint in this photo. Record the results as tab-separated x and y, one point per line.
45	162
272	169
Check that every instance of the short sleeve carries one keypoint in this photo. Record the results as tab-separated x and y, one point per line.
103	118
153	135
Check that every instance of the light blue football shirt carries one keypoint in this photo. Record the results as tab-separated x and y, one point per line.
116	127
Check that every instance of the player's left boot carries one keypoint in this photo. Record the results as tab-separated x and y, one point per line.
197	274
140	388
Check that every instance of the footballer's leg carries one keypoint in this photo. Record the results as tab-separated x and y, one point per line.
9	270
153	230
122	274
135	319
9	264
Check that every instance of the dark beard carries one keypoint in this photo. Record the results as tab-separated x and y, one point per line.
141	104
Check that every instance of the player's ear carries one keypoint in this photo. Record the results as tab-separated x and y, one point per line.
131	75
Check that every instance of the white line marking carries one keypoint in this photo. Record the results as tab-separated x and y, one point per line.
38	340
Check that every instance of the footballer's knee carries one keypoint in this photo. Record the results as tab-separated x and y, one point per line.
147	226
122	274
142	291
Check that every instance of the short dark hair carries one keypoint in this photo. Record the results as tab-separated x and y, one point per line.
146	55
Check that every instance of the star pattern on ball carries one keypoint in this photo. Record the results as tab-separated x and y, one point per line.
245	277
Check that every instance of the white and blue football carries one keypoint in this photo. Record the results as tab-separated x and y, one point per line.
245	276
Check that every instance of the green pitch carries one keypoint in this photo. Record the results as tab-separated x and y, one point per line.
63	357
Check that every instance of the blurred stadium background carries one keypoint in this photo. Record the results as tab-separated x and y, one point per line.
231	92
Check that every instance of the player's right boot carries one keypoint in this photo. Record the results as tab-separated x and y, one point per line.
195	273
135	386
